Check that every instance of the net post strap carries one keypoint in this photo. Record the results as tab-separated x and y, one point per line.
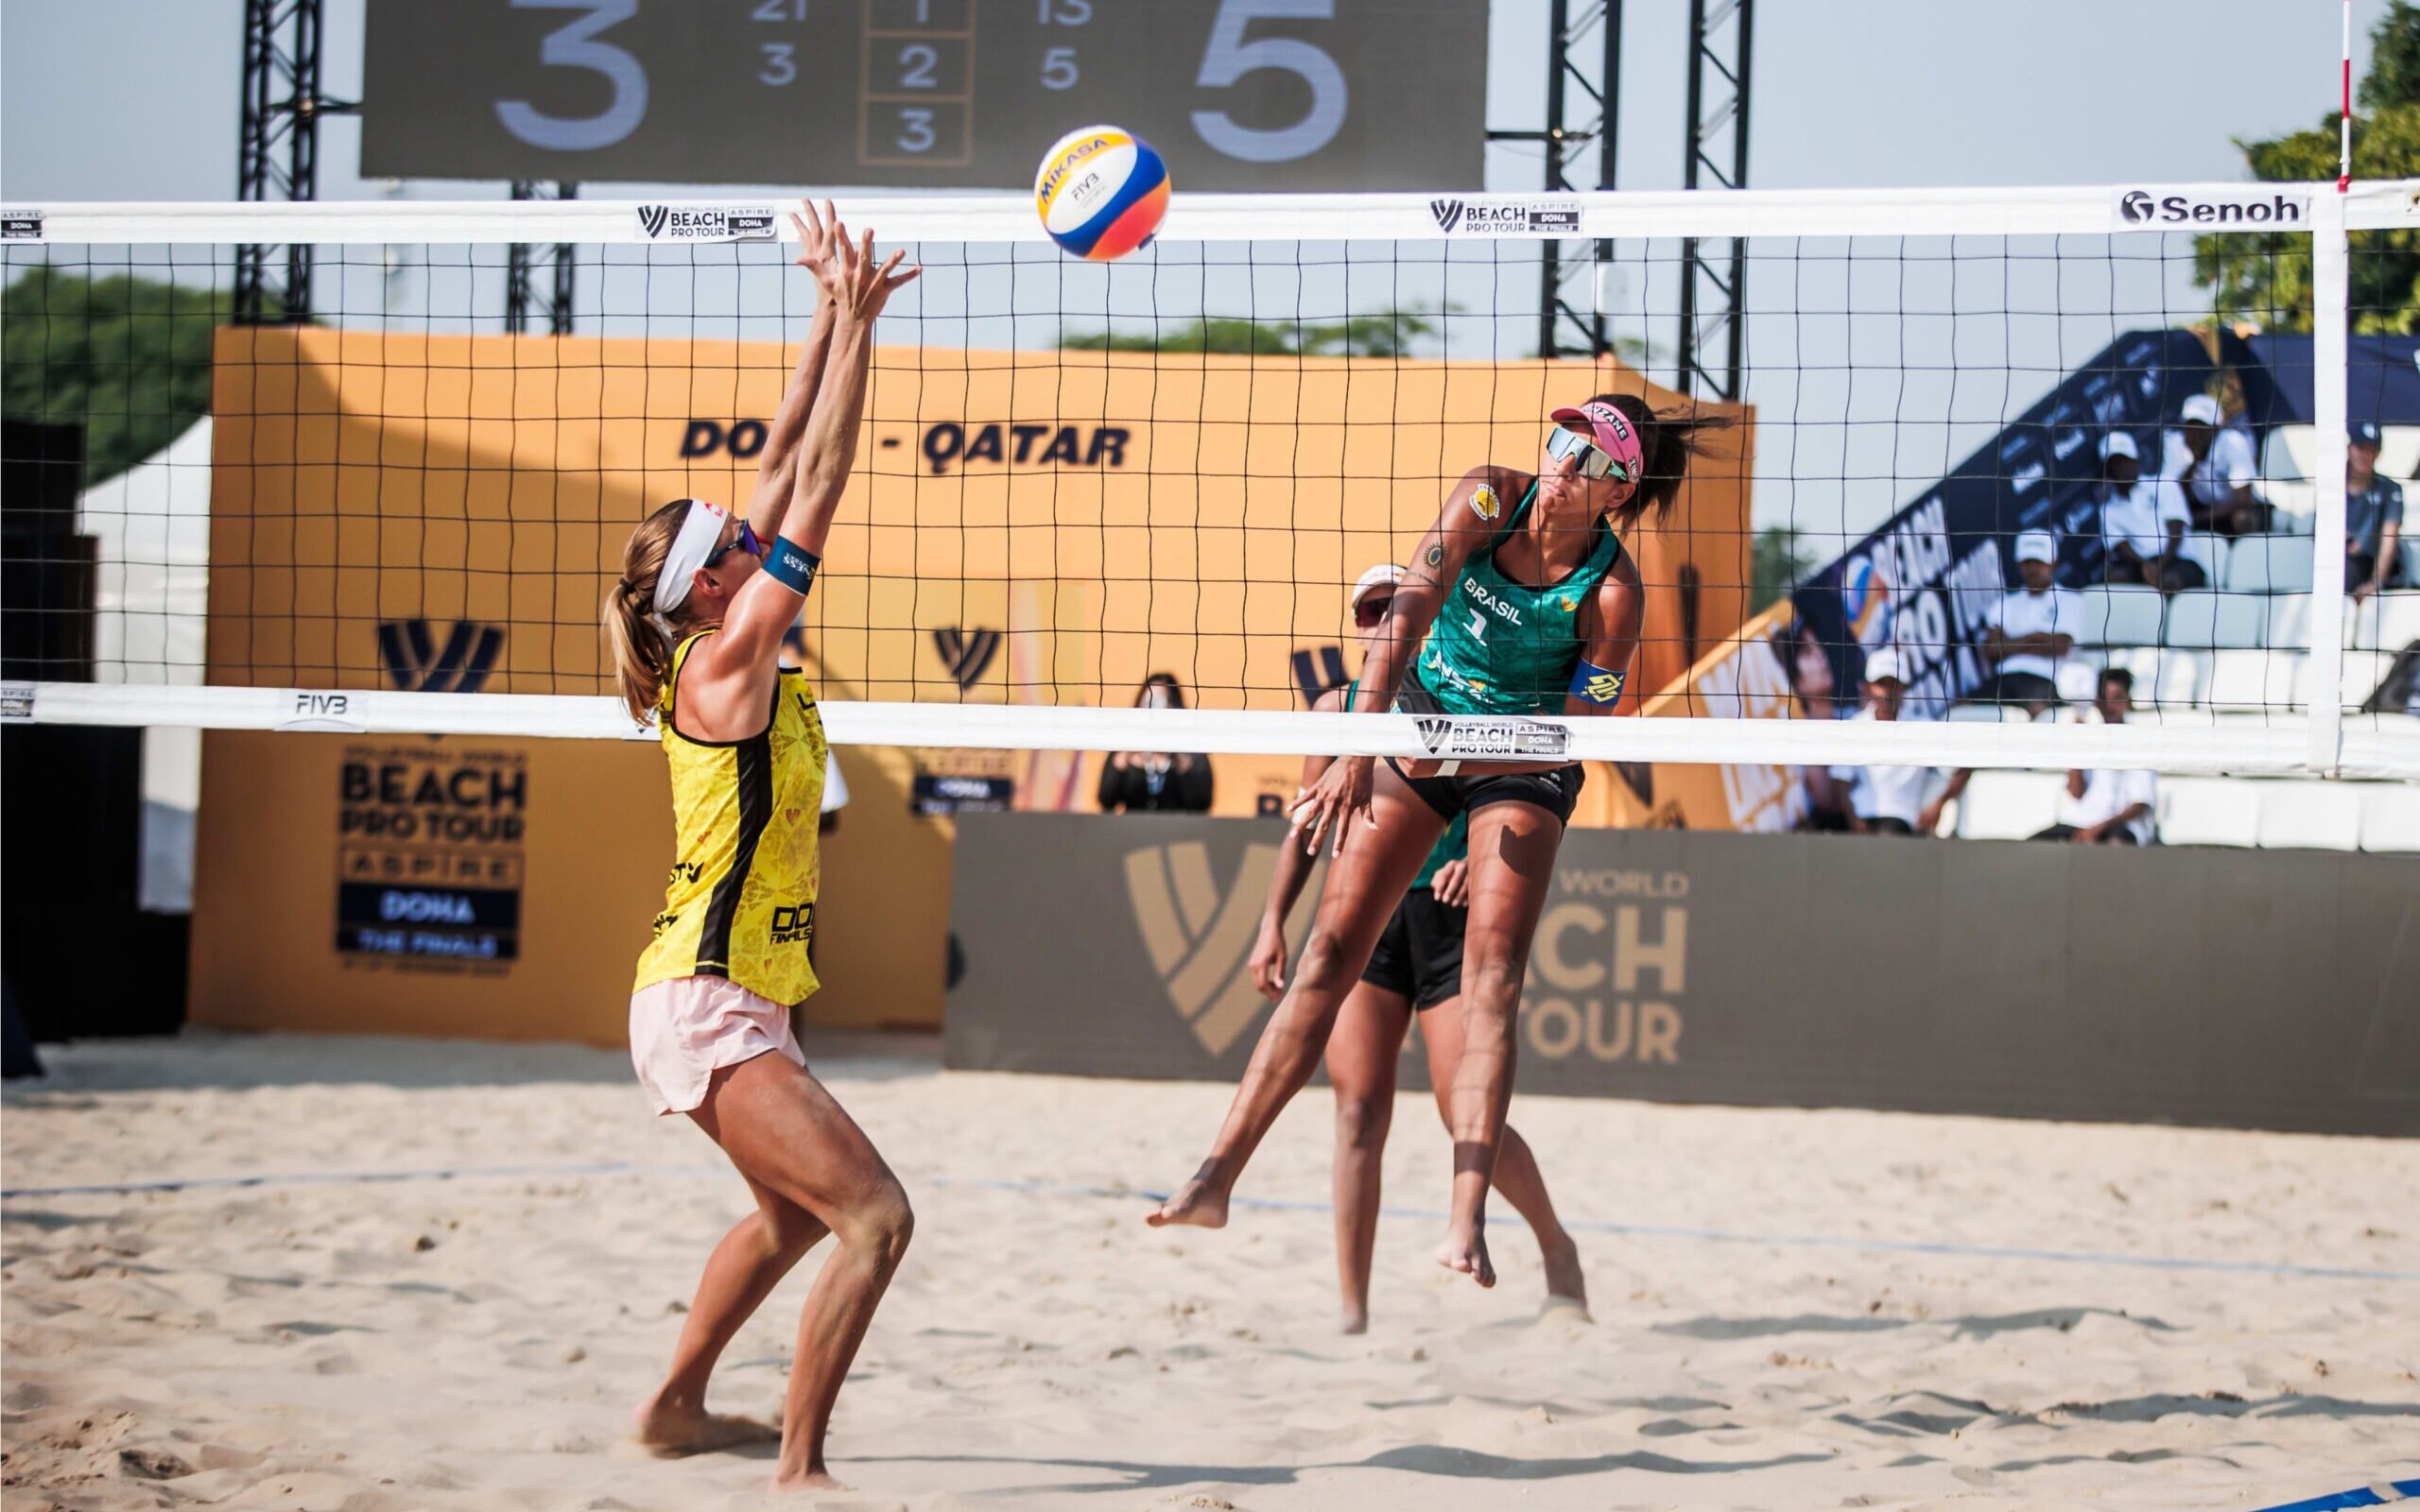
2331	287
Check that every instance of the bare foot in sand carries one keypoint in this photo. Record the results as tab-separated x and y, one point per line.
671	1429
1465	1250
1356	1320
1567	1284
1197	1202
809	1481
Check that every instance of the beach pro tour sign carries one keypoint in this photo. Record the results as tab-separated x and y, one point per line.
931	93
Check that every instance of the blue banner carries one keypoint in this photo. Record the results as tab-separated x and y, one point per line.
1924	579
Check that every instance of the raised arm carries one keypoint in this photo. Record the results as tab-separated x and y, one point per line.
777	465
764	609
1460	532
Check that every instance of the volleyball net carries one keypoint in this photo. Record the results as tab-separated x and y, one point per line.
401	513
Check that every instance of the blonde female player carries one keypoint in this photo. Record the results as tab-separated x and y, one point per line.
696	624
1536	609
1415	967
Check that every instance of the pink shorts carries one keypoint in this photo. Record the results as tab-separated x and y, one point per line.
684	1030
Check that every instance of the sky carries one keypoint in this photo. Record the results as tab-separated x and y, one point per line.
136	99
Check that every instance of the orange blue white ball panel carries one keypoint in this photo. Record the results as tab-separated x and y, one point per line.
1101	192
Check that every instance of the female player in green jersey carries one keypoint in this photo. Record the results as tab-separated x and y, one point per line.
1415	969
1528	606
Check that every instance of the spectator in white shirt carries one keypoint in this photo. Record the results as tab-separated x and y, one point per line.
2108	808
2215	464
2143	521
2028	632
1887	800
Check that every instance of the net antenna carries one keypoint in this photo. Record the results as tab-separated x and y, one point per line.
1053	455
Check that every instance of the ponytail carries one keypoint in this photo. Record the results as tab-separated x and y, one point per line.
642	647
1667	443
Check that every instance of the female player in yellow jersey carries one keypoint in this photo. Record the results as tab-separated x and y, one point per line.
1521	600
696	624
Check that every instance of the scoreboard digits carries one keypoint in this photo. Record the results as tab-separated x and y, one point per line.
939	94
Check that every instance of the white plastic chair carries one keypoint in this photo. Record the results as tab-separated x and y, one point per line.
2389	816
2128	614
2270	564
2363	672
2360	623
2290	452
2208	811
2192	617
2242	623
2253	680
2002	805
2288	626
2398	619
2309	815
2210	550
2182	677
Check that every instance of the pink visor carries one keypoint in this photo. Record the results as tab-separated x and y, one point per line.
1615	437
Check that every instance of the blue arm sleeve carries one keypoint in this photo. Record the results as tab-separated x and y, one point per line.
791	565
1591	683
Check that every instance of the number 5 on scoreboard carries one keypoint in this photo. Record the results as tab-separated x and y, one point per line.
1229	57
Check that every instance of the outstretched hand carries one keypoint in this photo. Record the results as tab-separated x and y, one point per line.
845	270
1339	796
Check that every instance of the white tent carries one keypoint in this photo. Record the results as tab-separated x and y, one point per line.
151	606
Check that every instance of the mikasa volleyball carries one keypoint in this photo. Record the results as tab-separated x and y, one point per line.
1101	192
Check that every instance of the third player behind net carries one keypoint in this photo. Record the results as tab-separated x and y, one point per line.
1415	969
1536	608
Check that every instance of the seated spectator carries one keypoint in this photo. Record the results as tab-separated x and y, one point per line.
2142	521
2108	808
2028	632
1887	799
1143	782
2373	518
2216	465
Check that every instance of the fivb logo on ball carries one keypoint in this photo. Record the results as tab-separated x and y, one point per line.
2266	208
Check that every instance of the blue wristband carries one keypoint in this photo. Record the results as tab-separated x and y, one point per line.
1594	684
792	565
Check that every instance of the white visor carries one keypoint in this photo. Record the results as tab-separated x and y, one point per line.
700	531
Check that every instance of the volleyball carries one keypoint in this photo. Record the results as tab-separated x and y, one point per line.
1100	192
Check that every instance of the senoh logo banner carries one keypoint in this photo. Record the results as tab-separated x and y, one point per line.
707	223
1507	217
2286	207
1484	735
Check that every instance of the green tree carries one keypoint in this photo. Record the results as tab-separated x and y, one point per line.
126	358
1776	561
2266	279
1386	334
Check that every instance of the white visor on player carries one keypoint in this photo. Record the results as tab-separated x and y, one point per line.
700	529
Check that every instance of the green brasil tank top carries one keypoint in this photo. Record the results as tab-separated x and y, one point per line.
1502	647
1454	845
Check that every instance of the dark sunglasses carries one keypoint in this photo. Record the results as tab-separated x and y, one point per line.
746	541
1594	462
1371	611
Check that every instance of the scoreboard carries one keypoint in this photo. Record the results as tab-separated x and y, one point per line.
1236	95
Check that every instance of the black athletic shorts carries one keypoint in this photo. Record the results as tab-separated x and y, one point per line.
1420	954
1557	791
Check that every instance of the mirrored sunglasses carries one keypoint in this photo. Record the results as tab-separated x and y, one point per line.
1594	461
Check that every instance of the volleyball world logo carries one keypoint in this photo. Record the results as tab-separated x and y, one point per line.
1197	937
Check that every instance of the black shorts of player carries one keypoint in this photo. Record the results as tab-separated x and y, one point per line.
1420	952
1557	792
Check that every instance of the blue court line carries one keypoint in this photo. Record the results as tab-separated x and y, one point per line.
1063	1189
2360	1496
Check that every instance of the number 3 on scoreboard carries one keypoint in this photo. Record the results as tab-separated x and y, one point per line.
576	46
1229	57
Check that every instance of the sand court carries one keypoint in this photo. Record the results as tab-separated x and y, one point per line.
1792	1309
